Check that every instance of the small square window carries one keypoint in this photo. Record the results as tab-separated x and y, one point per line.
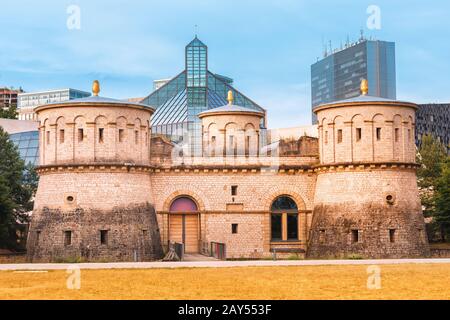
234	228
104	237
234	190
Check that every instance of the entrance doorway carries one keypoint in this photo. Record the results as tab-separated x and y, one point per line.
184	224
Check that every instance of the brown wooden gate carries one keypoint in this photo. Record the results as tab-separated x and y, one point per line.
183	228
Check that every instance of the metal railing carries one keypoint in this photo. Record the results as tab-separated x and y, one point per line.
218	250
179	250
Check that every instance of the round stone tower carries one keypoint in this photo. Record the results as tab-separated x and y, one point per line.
94	196
231	130
366	199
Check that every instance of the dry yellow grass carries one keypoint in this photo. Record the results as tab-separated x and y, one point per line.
305	282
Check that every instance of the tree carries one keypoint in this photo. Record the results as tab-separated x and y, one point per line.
17	187
442	201
9	113
432	155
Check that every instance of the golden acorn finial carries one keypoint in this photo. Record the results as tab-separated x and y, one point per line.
364	87
230	97
95	88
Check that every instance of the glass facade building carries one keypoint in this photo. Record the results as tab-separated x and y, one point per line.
338	75
28	145
30	100
179	101
434	119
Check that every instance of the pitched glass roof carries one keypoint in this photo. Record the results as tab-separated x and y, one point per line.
171	101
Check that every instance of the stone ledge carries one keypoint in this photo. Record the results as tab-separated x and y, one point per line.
94	167
362	166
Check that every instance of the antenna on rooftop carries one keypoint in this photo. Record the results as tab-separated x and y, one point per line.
362	34
324	47
196	30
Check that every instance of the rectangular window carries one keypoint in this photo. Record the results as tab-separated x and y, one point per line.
38	236
48	137
136	136
67	238
121	135
409	135
292	226
80	135
234	228
421	235
378	134
322	236
339	136
61	136
104	237
276	225
145	234
100	135
231	145
234	190
326	137
247	146
355	236
213	146
397	134
391	235
358	134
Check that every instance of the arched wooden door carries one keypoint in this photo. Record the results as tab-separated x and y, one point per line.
184	224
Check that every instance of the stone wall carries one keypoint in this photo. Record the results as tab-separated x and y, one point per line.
304	146
86	200
373	212
230	133
373	132
249	209
130	234
94	134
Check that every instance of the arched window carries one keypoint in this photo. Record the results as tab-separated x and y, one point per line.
183	204
284	219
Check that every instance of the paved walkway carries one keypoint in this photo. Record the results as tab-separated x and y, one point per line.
214	264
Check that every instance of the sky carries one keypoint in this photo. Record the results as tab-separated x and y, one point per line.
266	46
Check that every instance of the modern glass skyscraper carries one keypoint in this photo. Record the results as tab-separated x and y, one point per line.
196	89
338	75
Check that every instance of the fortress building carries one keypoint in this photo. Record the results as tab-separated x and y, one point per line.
109	191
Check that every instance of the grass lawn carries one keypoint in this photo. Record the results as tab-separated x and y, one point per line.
422	281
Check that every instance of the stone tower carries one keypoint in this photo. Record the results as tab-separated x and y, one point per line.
94	196
366	198
230	130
